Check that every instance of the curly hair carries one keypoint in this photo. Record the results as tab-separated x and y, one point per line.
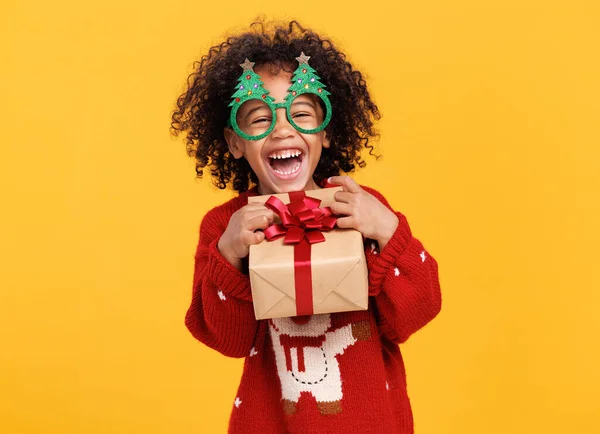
202	110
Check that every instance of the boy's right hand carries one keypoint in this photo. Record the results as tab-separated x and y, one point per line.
244	229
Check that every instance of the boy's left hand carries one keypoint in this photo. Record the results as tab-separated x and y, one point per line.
363	211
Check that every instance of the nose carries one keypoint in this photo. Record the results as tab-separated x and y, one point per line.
301	319
283	129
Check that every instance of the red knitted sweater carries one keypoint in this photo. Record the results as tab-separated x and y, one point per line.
332	373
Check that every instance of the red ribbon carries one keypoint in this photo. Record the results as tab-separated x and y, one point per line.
302	224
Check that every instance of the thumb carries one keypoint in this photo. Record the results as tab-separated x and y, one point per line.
259	236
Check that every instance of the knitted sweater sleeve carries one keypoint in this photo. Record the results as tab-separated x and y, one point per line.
221	314
403	280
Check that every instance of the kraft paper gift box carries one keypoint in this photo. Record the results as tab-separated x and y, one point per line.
303	279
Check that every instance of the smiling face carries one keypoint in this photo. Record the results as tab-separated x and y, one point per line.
286	159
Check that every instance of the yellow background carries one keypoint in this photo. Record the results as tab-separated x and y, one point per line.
490	141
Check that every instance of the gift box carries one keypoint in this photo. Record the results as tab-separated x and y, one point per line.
306	265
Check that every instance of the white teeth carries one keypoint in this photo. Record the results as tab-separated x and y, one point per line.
285	154
294	170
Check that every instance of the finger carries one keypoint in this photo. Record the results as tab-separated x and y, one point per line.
347	183
250	214
340	208
344	196
254	206
250	209
346	222
258	222
251	238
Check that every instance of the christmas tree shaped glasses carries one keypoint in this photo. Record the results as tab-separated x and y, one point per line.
253	114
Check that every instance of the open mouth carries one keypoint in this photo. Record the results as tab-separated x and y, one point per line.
286	163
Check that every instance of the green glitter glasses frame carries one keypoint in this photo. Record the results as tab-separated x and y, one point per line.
250	87
232	121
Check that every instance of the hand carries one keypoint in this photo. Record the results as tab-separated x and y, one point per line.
363	211
244	229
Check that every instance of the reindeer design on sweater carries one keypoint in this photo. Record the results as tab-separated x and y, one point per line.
305	355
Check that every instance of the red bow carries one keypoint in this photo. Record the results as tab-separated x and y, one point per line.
301	218
302	224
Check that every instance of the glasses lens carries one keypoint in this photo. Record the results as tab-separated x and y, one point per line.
307	112
254	117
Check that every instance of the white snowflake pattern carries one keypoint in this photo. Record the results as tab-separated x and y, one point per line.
253	352
222	296
423	256
396	272
387	386
237	402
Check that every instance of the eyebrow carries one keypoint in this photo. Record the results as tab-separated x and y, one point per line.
258	107
310	104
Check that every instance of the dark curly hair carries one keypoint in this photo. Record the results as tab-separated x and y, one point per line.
202	110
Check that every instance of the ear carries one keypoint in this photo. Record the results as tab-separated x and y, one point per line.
234	143
326	142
